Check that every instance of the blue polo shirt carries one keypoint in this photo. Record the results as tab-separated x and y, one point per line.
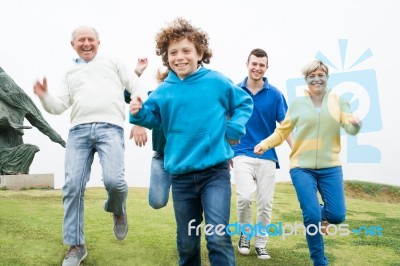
269	108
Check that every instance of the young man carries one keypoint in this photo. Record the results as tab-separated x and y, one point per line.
255	173
93	88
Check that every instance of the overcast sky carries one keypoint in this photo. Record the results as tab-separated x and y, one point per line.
35	41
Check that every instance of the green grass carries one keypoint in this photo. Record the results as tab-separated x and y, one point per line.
372	191
31	233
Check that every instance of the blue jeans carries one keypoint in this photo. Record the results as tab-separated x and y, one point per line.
160	182
329	183
207	191
83	141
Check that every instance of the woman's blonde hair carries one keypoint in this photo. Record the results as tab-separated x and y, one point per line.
314	66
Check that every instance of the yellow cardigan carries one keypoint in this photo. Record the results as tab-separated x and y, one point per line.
316	134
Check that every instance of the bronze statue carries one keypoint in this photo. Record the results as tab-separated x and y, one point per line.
15	105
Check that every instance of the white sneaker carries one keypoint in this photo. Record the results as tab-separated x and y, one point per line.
262	254
244	245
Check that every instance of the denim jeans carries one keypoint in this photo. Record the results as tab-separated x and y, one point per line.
255	175
329	183
160	182
83	141
209	192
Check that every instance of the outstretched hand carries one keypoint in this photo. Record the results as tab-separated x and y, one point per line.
135	105
141	65
355	121
40	88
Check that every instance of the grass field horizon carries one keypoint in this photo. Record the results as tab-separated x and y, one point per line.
31	233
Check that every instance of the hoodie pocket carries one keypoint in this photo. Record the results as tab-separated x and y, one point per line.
187	152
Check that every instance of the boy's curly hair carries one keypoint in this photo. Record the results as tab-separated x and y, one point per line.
178	30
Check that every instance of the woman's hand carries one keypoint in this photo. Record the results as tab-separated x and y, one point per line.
258	149
355	121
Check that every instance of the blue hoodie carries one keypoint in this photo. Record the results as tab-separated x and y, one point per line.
193	114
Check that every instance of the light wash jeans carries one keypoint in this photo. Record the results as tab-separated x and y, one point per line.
208	193
329	183
160	182
254	175
83	141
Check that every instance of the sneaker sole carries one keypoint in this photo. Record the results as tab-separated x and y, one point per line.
263	257
125	234
118	238
82	259
244	251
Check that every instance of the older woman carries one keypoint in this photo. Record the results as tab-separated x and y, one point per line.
316	119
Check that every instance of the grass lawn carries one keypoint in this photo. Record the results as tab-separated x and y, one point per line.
31	233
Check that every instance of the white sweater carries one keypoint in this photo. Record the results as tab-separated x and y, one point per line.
94	91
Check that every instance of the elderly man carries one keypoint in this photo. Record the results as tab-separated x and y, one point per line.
93	88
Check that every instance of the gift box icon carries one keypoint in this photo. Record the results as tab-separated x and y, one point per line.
361	90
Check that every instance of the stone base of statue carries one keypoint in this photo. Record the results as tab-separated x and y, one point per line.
30	181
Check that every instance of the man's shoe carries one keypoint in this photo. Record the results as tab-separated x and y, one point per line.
75	255
262	254
120	226
244	245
